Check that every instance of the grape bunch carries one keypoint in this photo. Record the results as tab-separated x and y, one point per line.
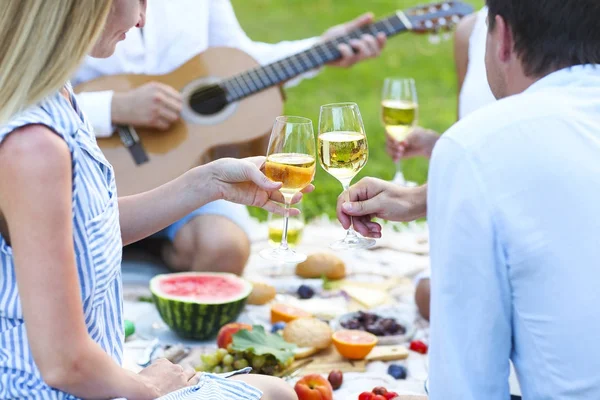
374	324
228	360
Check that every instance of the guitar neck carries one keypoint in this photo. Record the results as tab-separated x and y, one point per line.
260	78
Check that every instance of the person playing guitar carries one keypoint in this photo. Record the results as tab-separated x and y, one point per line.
214	237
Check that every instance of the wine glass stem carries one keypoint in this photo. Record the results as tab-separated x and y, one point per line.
350	233
399	178
286	216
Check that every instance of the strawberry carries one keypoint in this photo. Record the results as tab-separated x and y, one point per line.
366	396
418	346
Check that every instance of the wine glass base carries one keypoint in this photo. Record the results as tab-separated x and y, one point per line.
285	256
353	243
399	179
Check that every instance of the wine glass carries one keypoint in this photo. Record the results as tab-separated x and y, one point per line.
343	152
290	160
275	223
399	112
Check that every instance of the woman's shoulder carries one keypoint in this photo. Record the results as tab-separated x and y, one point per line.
52	112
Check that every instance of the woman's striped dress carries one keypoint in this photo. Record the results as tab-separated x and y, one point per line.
98	247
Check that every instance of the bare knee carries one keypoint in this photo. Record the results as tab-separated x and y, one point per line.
271	387
423	297
209	243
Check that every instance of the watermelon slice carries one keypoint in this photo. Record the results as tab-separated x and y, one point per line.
196	305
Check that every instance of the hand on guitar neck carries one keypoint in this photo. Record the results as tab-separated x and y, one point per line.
368	46
153	105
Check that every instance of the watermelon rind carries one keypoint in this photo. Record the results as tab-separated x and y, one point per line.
191	319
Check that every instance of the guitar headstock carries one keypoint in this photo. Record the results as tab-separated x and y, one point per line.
437	17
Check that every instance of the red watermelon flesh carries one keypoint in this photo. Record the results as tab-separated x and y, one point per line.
196	305
207	288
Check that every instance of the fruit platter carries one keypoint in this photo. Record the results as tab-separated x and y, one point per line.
319	329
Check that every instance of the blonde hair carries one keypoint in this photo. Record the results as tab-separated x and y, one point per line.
42	43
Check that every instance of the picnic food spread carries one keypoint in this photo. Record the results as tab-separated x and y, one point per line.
306	331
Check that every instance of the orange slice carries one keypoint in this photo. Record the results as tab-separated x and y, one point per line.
284	313
354	344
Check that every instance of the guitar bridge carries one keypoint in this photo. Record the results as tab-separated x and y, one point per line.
132	142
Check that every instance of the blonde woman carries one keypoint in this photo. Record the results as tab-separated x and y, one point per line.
61	325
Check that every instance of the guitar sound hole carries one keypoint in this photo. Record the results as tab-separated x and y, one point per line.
208	100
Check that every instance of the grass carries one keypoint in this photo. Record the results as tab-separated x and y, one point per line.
407	54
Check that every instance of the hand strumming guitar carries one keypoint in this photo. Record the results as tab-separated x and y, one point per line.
153	105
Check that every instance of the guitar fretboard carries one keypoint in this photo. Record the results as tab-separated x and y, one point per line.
260	78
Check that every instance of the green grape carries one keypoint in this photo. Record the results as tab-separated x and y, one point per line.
217	370
239	364
210	360
268	370
230	348
221	353
238	356
201	368
271	361
258	361
227	360
227	368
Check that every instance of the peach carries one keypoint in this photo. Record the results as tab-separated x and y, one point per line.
314	387
224	338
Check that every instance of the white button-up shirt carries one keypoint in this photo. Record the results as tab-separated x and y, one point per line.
175	31
513	208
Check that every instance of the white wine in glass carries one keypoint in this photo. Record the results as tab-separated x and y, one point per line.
343	152
399	112
291	161
275	225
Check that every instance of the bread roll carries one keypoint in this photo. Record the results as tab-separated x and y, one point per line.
308	332
262	293
319	264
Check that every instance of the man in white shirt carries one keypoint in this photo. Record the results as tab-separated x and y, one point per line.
512	208
213	237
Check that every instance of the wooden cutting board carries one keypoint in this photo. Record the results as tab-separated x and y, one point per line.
328	359
325	361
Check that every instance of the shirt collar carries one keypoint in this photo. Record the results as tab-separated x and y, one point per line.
567	76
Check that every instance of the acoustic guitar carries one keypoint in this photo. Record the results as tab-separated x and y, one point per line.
230	101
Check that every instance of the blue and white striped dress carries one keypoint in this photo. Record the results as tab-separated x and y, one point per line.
98	249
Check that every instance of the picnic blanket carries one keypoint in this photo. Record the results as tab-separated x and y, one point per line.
401	254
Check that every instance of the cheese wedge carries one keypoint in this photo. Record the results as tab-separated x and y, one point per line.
303	352
367	297
388	353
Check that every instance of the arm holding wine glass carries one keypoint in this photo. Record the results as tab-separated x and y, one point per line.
238	181
419	143
375	198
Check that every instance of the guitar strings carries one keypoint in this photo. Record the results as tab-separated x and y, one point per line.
297	67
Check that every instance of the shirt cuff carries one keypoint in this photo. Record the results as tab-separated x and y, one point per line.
97	108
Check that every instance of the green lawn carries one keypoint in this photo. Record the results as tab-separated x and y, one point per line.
407	54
